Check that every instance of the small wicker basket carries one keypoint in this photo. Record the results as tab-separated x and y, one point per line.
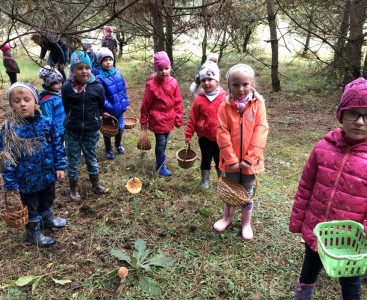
15	213
130	122
110	126
232	193
186	157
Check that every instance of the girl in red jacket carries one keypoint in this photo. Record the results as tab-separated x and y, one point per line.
203	119
161	109
333	186
241	136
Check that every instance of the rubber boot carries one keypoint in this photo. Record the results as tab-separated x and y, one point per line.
304	291
50	221
161	167
73	192
118	137
108	148
97	187
223	223
205	179
35	236
246	230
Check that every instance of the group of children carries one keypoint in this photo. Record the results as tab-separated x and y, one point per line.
232	129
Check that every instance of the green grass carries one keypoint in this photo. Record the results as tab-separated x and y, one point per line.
175	216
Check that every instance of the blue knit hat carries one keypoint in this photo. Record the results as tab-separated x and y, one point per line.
80	57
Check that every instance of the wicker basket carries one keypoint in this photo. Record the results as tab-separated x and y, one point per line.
186	157
232	193
144	141
130	122
110	126
15	213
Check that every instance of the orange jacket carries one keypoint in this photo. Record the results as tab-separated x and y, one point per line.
254	127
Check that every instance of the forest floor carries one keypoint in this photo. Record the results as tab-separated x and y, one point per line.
174	216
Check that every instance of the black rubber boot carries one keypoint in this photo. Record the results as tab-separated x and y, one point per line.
97	187
73	192
35	236
50	221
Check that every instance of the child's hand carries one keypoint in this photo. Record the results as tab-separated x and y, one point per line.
187	142
245	165
144	127
106	115
60	175
234	166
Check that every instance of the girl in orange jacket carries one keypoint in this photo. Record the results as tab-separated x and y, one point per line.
241	136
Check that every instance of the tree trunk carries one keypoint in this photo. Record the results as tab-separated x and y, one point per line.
274	46
339	51
246	39
308	39
158	31
364	74
204	43
169	31
355	40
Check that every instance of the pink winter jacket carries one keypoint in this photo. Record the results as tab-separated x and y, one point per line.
162	106
333	186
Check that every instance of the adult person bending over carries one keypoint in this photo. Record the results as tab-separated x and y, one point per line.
59	51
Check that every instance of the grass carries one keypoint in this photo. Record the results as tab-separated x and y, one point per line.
175	216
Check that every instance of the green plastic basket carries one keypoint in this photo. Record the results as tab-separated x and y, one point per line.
342	248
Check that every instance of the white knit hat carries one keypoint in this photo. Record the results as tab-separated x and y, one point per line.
210	70
30	87
102	53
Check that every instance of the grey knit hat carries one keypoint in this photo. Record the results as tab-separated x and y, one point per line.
50	76
102	53
30	87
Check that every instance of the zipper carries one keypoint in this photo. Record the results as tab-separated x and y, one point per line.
346	155
83	108
42	158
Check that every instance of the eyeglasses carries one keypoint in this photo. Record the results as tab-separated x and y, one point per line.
351	115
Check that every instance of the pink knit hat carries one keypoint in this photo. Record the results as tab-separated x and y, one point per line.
5	48
161	59
354	96
108	28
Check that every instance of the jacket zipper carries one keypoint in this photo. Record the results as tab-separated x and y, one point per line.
346	155
42	158
83	109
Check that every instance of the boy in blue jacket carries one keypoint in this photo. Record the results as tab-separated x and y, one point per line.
33	161
116	99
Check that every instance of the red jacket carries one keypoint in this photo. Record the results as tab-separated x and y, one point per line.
203	118
162	107
333	186
246	134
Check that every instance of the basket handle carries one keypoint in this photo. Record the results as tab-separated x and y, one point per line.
7	194
113	119
187	150
129	109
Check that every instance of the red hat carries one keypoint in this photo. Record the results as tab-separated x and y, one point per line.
108	28
354	96
5	48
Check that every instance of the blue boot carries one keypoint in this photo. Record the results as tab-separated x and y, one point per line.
50	221
161	167
35	236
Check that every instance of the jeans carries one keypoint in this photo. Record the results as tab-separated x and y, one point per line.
38	202
312	265
209	150
161	140
85	142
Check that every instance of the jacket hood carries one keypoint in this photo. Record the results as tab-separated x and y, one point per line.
336	137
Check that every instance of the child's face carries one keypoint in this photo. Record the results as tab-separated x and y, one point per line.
353	123
108	33
23	102
82	72
56	87
213	59
208	84
240	85
163	71
107	63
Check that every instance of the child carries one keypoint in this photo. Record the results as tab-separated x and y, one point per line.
34	160
87	47
50	98
9	63
333	186
203	119
116	100
161	109
241	136
110	42
83	99
195	86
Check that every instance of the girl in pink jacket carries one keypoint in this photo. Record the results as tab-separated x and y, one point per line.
162	108
203	119
241	137
333	186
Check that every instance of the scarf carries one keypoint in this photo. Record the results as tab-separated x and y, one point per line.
106	73
212	94
78	86
241	103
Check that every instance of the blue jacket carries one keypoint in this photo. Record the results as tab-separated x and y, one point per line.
51	106
83	110
116	100
36	172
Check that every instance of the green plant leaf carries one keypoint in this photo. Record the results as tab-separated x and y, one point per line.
149	286
61	281
141	250
162	261
121	256
24	280
146	267
35	284
134	262
113	273
10	283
